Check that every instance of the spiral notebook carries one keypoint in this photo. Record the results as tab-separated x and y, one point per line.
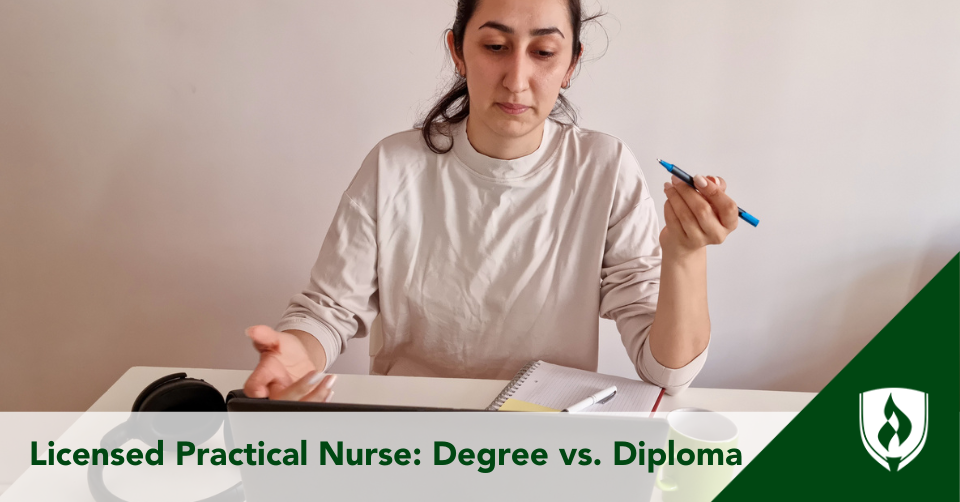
541	386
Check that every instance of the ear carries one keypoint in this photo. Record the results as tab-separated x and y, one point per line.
573	65
457	62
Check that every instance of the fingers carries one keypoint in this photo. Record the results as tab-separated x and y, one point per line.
264	338
322	393
724	207
269	377
672	221
719	181
695	213
683	218
715	179
314	386
701	208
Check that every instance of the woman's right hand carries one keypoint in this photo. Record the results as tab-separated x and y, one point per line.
285	370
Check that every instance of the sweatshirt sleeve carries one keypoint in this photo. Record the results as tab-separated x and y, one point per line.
630	277
341	299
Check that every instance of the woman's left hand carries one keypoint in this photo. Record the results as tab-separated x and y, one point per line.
698	217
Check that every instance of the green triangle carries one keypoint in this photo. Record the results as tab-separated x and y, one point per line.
820	454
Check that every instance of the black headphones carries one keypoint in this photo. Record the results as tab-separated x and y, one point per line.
174	392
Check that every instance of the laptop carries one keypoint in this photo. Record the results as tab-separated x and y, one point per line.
370	452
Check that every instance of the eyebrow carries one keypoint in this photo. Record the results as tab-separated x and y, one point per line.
539	32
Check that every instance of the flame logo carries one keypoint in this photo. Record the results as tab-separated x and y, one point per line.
893	433
888	431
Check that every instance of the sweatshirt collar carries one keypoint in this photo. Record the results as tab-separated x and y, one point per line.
500	169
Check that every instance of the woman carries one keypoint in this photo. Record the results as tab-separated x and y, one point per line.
494	235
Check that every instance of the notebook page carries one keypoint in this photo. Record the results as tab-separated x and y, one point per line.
558	387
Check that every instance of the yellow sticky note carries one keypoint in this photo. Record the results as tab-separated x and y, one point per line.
518	405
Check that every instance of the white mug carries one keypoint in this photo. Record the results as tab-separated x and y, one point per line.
695	429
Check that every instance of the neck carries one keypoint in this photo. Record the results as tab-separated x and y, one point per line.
487	142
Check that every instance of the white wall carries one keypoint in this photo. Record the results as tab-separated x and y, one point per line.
168	169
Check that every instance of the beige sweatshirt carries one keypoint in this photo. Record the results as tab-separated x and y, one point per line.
478	265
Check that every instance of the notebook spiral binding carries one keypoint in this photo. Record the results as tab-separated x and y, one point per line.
514	384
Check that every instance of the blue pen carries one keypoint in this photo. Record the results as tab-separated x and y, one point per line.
686	178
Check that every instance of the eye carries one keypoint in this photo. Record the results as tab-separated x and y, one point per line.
495	48
545	54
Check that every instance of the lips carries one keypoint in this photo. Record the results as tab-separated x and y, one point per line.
512	109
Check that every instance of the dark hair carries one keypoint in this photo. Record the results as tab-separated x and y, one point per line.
454	106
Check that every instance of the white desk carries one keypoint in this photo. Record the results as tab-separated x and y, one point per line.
440	392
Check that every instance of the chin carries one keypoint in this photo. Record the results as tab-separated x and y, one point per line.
513	127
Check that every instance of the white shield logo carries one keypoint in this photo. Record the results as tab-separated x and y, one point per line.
893	425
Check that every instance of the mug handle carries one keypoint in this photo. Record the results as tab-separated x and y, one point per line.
666	484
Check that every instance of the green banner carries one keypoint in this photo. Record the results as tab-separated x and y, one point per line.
887	427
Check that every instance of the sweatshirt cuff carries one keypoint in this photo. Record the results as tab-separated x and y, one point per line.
673	380
327	338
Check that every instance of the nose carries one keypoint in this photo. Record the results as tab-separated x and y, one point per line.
517	74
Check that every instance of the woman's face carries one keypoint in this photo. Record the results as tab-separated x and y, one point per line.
516	54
